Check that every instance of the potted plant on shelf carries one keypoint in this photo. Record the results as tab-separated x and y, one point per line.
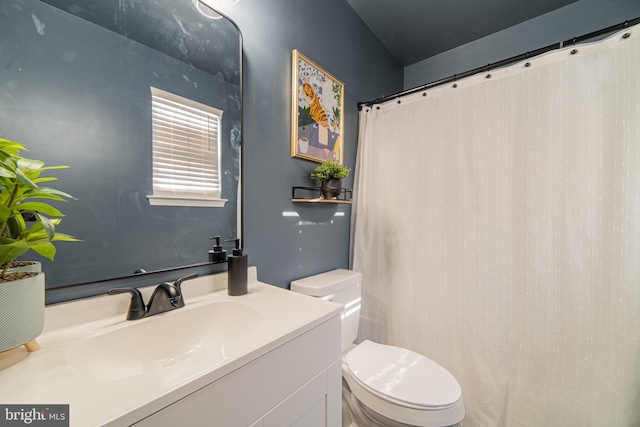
330	175
22	292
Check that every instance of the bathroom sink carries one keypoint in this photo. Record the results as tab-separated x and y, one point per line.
138	347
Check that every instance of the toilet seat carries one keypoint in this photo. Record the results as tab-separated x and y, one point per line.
402	385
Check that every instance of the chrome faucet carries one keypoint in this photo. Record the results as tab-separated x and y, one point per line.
165	297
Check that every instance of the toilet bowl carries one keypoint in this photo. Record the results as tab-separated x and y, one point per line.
384	385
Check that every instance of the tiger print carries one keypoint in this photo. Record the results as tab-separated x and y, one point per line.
315	108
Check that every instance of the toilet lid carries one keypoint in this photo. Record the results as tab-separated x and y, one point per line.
403	376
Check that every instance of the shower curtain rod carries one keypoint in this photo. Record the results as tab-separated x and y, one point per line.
502	63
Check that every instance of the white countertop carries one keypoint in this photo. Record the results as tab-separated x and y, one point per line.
48	376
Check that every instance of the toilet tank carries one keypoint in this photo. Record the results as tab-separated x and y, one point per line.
340	286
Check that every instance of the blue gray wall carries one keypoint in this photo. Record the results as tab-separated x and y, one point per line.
284	240
573	20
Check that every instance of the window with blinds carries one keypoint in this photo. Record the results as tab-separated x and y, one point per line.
186	147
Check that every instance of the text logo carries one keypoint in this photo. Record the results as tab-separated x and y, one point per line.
34	415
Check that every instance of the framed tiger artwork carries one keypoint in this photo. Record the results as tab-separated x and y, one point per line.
317	115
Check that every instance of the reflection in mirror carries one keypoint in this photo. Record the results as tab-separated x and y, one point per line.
75	90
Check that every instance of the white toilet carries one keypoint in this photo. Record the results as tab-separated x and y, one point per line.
384	385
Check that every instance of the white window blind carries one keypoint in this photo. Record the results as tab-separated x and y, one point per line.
186	146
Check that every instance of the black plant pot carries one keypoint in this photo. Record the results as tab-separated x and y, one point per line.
331	188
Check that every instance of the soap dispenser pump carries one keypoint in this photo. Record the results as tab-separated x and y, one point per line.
237	274
217	254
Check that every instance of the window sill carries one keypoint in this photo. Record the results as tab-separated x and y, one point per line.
185	201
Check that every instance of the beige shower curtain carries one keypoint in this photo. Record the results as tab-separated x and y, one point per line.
497	227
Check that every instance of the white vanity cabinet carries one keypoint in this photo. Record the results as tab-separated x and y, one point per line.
296	384
270	358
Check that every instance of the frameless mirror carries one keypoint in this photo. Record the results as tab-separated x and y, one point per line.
75	90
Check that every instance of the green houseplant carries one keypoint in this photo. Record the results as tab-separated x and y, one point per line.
330	175
21	196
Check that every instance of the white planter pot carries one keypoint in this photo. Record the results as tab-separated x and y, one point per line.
21	311
35	267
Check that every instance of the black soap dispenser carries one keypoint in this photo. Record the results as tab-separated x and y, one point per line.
237	274
217	254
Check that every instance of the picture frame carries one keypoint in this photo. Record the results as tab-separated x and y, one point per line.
317	114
